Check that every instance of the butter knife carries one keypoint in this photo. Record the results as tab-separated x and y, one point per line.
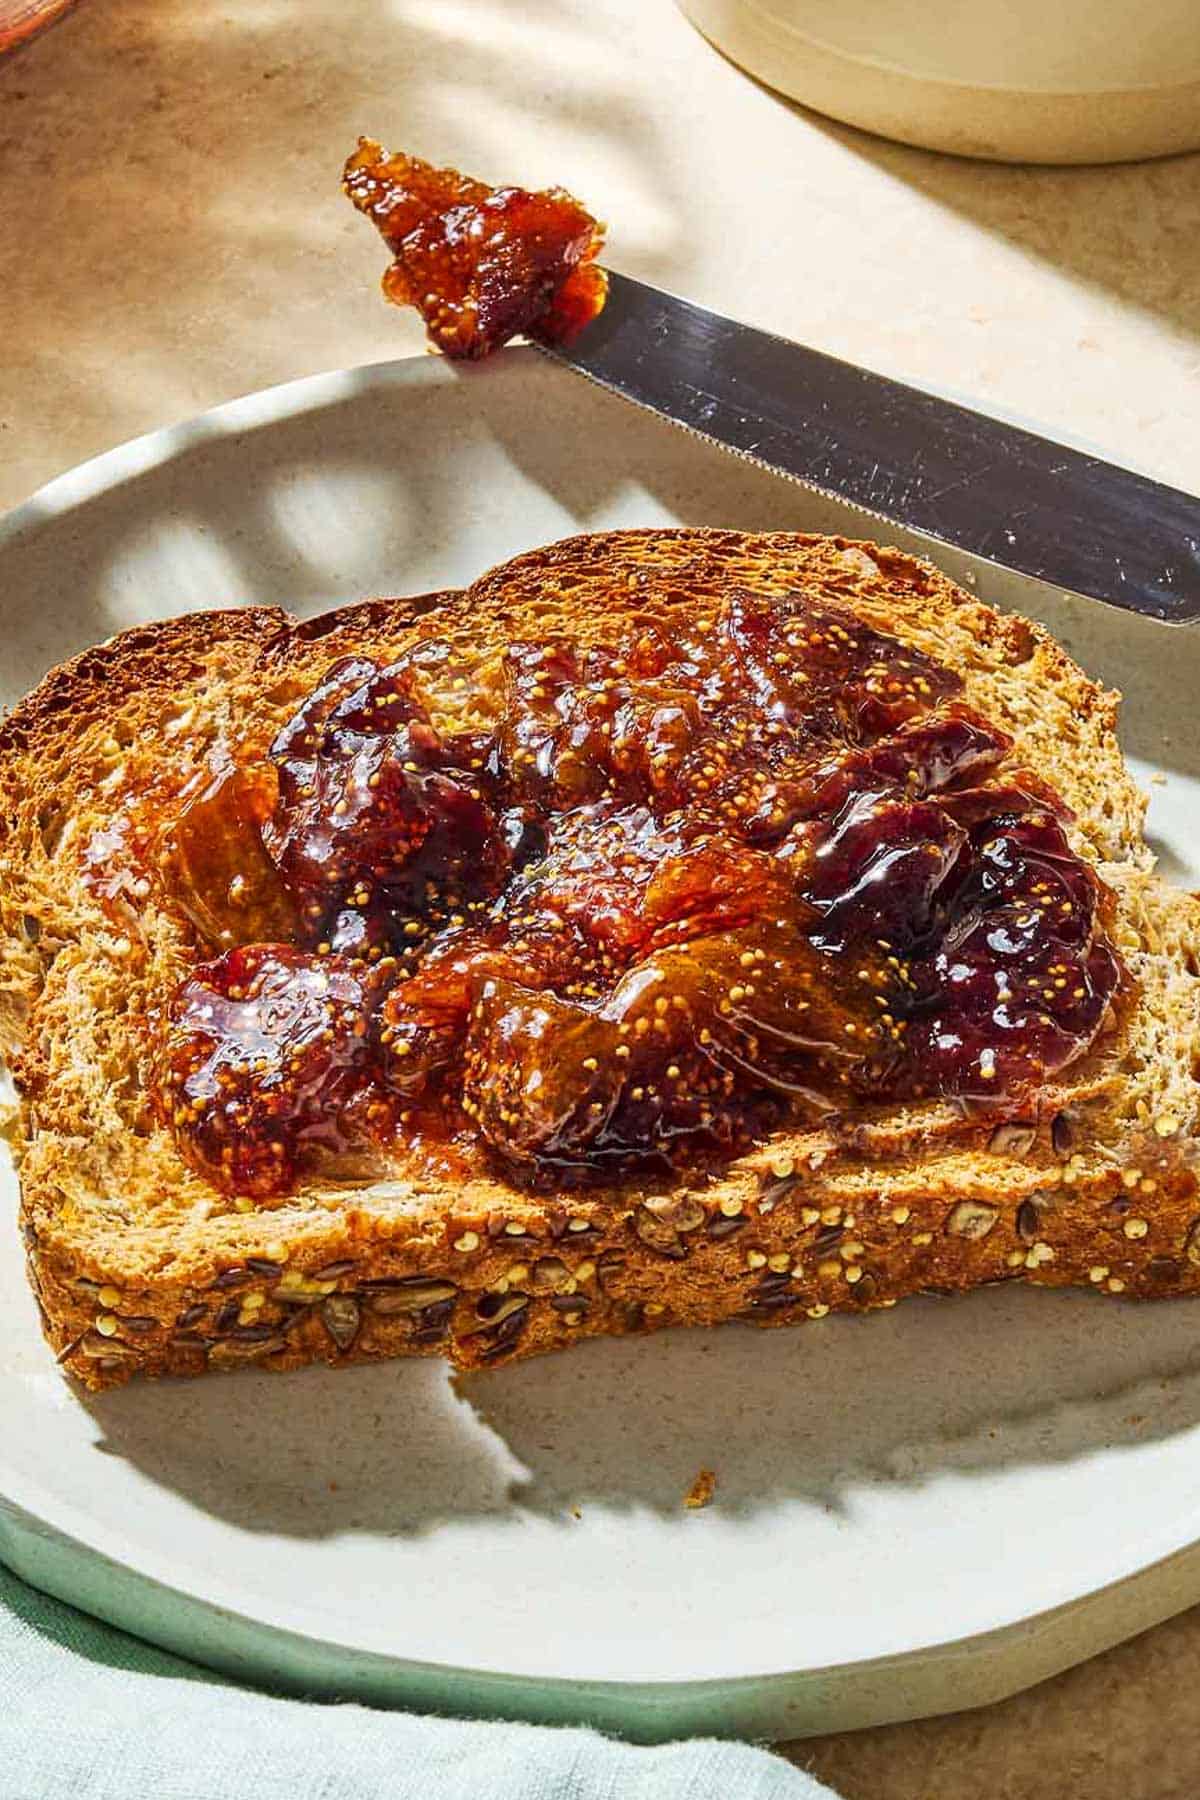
900	454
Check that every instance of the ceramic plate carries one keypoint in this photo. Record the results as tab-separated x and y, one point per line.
914	1512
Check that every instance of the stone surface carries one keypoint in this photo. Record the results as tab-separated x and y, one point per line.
1121	1727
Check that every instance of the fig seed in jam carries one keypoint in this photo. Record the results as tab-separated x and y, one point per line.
590	910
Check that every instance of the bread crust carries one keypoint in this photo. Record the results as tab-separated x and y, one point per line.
140	1266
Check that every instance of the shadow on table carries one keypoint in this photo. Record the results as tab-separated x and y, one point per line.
1003	1379
1129	228
192	165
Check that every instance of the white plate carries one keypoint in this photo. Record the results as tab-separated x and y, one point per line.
916	1511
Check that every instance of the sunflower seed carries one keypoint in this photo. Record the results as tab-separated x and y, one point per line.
511	1306
488	1305
137	1324
189	1315
680	1211
720	1227
439	1315
508	1327
1062	1133
569	1303
1163	1268
333	1271
230	1352
971	1219
93	1345
263	1266
775	1191
412	1299
658	1236
229	1278
548	1274
1016	1138
341	1316
1028	1222
227	1318
611	1263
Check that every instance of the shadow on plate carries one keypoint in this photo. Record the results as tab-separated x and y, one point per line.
403	478
413	476
1005	1378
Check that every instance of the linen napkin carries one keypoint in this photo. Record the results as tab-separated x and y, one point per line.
89	1713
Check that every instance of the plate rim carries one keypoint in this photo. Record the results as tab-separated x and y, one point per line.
37	1510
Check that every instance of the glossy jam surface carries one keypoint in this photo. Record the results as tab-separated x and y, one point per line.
592	910
267	1053
480	264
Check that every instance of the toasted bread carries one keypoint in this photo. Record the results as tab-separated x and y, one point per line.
141	1265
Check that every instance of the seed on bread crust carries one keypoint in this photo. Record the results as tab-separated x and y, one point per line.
334	1271
1028	1221
658	1235
1015	1138
413	1297
681	1211
341	1315
550	1275
1062	1133
971	1219
232	1351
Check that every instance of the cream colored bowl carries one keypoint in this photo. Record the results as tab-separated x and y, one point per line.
1064	81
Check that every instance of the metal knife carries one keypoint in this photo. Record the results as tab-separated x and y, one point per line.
900	454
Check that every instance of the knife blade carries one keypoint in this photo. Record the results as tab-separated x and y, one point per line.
900	454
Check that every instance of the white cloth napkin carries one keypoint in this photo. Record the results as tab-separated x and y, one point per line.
88	1713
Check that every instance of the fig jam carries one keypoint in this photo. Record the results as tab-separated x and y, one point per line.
264	1050
480	264
592	910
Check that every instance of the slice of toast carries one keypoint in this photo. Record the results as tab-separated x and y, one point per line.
140	1264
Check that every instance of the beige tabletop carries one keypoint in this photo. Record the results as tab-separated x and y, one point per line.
173	235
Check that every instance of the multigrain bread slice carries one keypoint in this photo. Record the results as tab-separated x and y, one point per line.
140	1265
